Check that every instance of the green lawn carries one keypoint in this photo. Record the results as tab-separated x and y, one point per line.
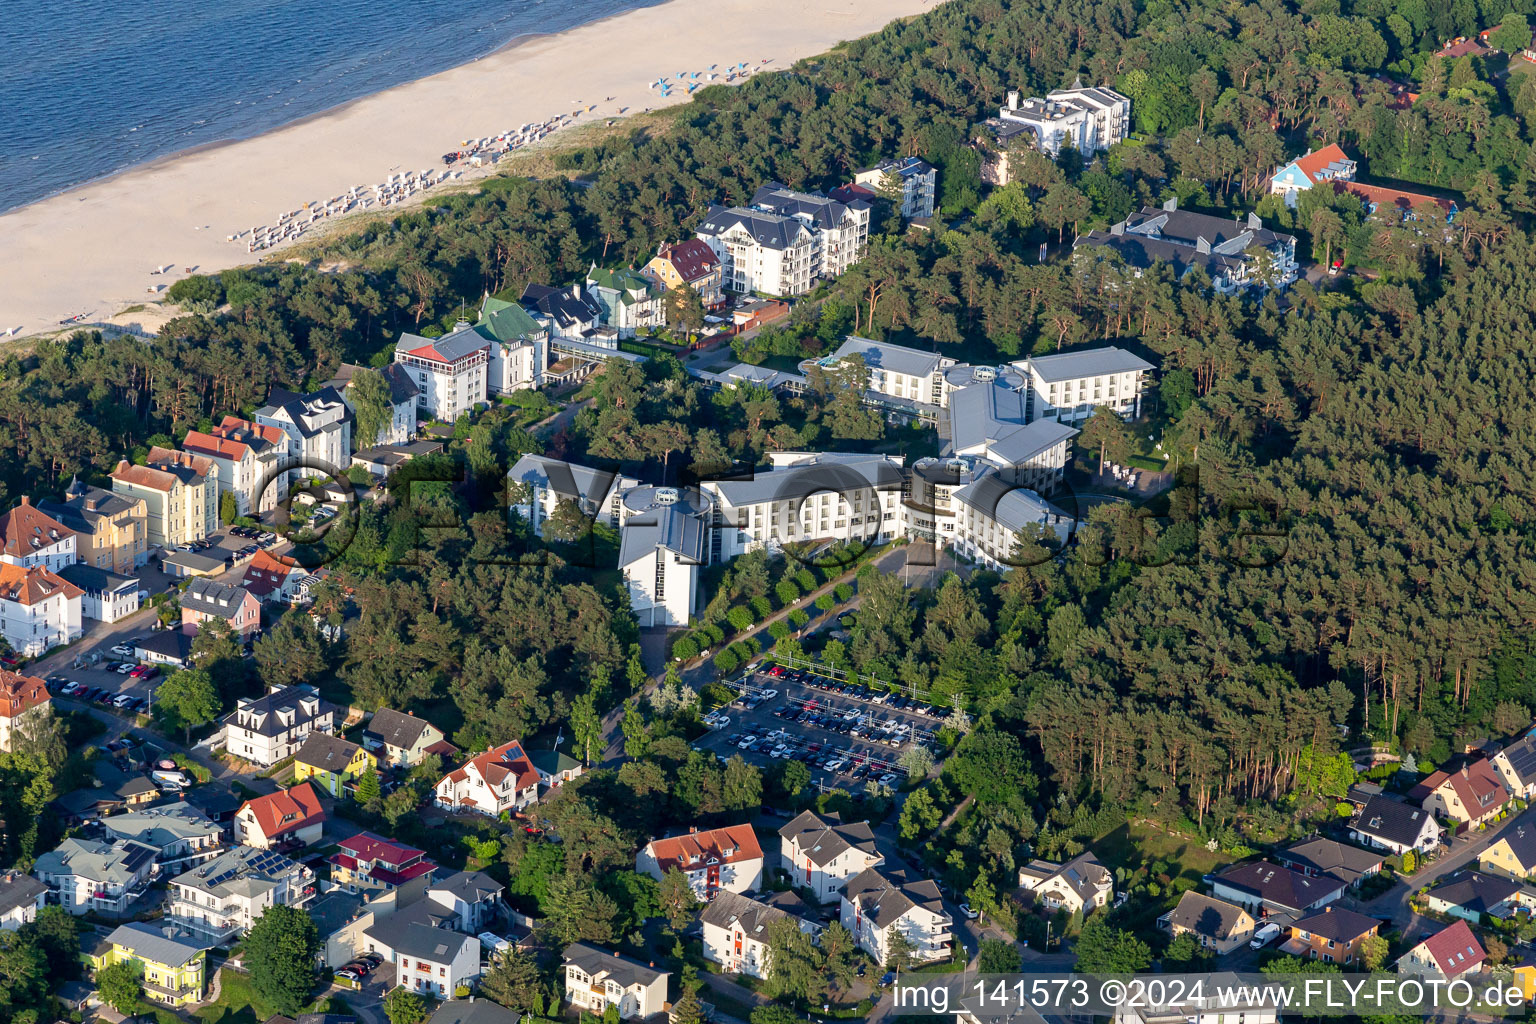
1135	846
239	1003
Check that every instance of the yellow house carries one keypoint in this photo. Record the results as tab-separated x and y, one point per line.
174	960
331	762
1514	855
1525	978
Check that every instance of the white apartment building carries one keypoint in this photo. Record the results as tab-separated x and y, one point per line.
988	419
31	538
874	906
39	610
469	898
86	875
898	371
452	372
1088	119
735	930
222	898
403	393
519	349
264	730
541	483
760	252
596	979
499	781
1068	386
318	427
840	231
665	537
180	833
22	698
917	176
180	492
630	301
428	955
719	860
990	510
247	457
821	853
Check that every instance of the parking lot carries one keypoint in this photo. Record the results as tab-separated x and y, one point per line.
843	733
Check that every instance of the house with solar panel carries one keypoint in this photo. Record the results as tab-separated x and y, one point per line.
86	876
665	539
223	897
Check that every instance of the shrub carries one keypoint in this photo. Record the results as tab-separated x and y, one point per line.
806	580
778	629
762	607
714	632
843	592
798	618
685	648
726	661
787	592
825	602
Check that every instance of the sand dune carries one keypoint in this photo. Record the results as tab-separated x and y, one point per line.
92	250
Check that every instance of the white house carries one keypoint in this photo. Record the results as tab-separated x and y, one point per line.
1327	164
429	956
21	698
1068	386
104	595
470	897
735	929
287	819
264	730
498	781
21	897
246	461
717	860
596	979
917	178
899	371
452	372
222	898
1080	885
30	538
541	483
1388	824
822	852
403	392
839	231
875	905
664	541
318	427
519	349
630	301
180	833
89	876
760	251
1087	119
39	609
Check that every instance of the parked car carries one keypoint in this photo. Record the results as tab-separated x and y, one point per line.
965	908
1264	936
125	668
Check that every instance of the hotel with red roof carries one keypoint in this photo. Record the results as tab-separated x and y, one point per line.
371	864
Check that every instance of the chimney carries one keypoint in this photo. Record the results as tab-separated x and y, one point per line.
25	500
615	954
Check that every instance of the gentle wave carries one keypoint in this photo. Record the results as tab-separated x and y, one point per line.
89	89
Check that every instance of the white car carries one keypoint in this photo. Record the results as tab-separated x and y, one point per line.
888	779
836	764
123	651
965	908
750	743
777	751
125	668
768	694
721	721
122	700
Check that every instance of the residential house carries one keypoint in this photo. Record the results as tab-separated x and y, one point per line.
1317	856
1334	936
664	540
1471	795
180	495
1236	254
538	484
1513	854
839	231
1068	386
165	647
1218	926
498	781
1079	886
596	979
877	904
717	860
87	876
822	852
519	349
554	767
471	1011
265	730
39	609
1269	888
111	530
287	819
630	301
269	577
172	960
401	740
383	459
1472	896
112	790
735	929
21	897
179	833
1388	824
1225	1002
1089	120
760	251
1516	765
223	897
331	762
429	956
452	372
31	538
914	177
318	427
249	460
370	864
205	600
470	898
104	595
689	262
1327	164
403	392
22	698
1449	953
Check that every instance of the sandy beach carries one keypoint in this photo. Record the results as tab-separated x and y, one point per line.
93	250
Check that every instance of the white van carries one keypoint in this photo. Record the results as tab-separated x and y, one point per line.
174	778
1264	936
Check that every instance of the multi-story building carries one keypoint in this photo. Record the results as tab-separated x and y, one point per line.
1068	386
331	763
111	530
839	231
1079	886
1218	926
403	392
286	820
690	262
370	864
428	955
498	781
899	371
664	541
401	740
821	852
180	493
452	372
180	834
734	929
318	428
542	483
264	730
470	898
519	346
206	599
988	420
22	698
1327	164
1471	795
222	898
39	610
916	178
717	860
21	897
172	961
269	577
596	979
1089	120
30	538
629	300
104	595
760	251
88	876
875	905
249	459
1236	255
571	313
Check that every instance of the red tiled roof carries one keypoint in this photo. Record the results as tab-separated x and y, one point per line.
729	845
24	524
497	763
1404	201
143	476
691	259
220	447
1476	784
1455	949
367	846
285	810
1318	160
167	457
29	586
20	694
267	573
234	426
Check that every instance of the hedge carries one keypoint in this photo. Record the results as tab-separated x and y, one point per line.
685	648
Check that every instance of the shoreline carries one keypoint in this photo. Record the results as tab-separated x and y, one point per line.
92	250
